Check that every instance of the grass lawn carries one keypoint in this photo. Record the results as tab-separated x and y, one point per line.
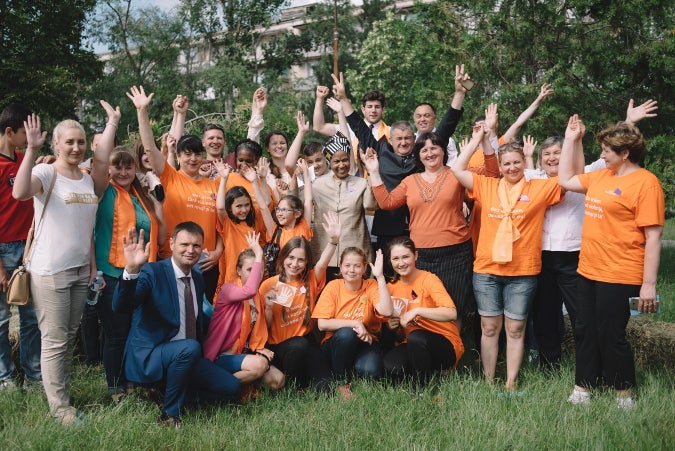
459	412
669	229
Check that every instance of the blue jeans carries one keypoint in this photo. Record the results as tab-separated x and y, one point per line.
345	351
11	255
510	296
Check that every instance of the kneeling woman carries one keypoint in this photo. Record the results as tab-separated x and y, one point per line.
237	332
348	311
425	312
290	298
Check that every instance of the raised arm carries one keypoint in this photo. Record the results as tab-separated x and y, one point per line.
529	144
180	107
223	170
336	106
451	118
384	307
333	229
308	201
460	168
294	151
257	122
27	185
263	204
636	114
566	171
319	121
514	130
142	102
355	121
100	161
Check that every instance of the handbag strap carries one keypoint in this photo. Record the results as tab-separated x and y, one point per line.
31	233
276	236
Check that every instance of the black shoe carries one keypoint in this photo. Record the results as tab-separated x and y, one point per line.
155	395
169	421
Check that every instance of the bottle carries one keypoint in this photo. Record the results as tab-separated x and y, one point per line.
95	288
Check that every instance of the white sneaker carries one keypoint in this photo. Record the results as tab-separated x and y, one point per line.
625	402
7	385
580	397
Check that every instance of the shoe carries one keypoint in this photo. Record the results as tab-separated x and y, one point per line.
32	384
8	385
580	397
625	402
169	421
155	395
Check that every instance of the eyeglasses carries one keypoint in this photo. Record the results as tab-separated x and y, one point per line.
284	210
511	145
211	126
99	129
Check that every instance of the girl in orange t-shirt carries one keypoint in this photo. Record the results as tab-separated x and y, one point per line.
508	256
425	312
289	299
348	311
619	257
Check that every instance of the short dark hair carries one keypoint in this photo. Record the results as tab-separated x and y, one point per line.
13	116
234	193
250	145
436	139
190	227
402	125
373	96
190	143
425	104
311	148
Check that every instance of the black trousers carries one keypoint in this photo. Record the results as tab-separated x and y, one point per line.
557	283
303	362
603	352
424	353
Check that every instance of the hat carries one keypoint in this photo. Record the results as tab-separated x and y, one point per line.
336	143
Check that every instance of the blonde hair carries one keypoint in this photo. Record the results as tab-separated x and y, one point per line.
60	128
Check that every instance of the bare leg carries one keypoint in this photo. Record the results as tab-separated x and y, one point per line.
252	368
491	326
515	345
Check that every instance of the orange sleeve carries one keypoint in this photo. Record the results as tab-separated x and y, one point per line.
391	200
326	306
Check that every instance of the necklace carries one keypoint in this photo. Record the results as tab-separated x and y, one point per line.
429	190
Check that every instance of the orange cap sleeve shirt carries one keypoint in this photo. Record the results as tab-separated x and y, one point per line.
617	210
189	200
527	216
338	302
301	228
288	322
427	291
256	335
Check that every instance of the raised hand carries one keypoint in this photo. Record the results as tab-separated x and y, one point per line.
249	174
463	144
545	91
370	161
114	115
259	102
282	188
322	92
222	169
573	131
636	114
478	131
138	97
461	77
35	137
378	266
491	117
253	240
339	91
180	104
332	226
303	126
136	252
263	167
529	144
334	104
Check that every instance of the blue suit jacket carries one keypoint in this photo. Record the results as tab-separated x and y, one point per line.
153	297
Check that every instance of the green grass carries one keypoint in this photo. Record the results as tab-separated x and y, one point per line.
669	229
461	412
666	284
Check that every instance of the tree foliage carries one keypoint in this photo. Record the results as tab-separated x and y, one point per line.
42	59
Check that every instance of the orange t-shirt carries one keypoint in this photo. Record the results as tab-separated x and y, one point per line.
617	210
301	229
339	302
426	291
257	335
288	321
234	240
478	159
189	200
527	216
234	179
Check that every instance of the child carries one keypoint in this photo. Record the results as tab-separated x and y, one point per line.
290	298
348	311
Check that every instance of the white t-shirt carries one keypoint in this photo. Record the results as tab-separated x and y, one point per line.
64	238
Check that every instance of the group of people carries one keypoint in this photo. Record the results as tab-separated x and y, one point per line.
228	273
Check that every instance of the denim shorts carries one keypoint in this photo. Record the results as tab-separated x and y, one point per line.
230	362
507	295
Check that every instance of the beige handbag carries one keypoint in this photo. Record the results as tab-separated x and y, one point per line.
18	291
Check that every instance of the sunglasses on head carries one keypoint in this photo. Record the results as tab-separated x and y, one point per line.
99	129
211	126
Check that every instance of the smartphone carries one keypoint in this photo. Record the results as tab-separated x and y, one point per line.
468	84
634	302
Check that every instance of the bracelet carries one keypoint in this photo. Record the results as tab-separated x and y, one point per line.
114	125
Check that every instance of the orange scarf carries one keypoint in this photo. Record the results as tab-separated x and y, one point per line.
382	132
507	232
124	218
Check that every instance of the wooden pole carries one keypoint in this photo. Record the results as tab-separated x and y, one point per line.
335	39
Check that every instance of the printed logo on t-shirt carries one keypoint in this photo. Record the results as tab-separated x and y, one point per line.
524	198
593	207
79	198
615	192
400	305
10	180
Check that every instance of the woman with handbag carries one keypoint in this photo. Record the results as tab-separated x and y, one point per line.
62	260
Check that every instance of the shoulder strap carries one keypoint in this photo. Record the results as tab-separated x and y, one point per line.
31	233
276	237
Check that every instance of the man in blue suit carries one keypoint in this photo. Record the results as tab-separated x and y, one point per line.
168	322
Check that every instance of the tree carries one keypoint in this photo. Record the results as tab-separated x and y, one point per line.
42	59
